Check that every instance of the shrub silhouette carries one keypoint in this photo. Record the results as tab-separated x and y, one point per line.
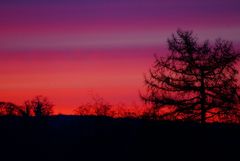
196	81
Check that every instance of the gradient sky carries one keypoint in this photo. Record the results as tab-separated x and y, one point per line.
68	50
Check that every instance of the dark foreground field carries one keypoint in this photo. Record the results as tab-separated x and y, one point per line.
98	138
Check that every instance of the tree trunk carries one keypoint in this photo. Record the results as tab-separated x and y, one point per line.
203	99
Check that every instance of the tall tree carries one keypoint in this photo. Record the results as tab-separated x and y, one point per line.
196	81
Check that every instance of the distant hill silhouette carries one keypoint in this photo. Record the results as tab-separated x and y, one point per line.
71	138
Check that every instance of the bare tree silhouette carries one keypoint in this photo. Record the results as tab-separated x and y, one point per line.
83	109
26	110
98	107
38	106
102	108
196	81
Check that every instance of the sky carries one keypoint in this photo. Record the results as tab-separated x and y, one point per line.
69	50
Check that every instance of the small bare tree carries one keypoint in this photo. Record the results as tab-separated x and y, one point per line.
98	107
84	109
26	110
38	106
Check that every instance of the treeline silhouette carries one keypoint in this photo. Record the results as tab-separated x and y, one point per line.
40	106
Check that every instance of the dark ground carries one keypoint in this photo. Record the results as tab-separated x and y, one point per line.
71	138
